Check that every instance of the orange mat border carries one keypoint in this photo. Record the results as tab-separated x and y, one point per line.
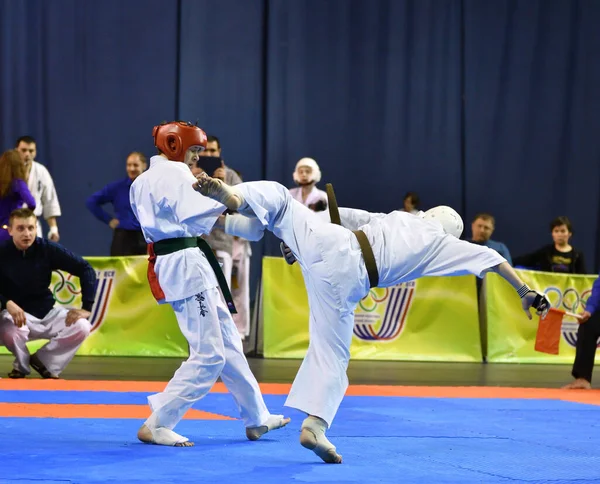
591	397
52	410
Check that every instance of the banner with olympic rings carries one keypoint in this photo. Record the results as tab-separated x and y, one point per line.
430	319
125	319
511	336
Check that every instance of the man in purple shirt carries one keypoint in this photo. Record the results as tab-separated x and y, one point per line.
127	234
587	342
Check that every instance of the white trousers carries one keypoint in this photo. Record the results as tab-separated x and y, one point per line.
240	285
215	350
334	286
58	352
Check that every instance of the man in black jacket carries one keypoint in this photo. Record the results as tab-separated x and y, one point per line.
27	310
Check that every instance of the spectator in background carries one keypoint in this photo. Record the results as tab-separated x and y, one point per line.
41	186
559	256
27	310
13	189
128	238
233	253
482	228
306	175
411	203
587	342
210	161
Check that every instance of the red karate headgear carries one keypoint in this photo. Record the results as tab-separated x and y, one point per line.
175	138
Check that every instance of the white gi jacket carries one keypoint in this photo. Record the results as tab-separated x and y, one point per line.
166	205
41	186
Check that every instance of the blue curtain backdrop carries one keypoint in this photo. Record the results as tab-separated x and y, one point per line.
485	105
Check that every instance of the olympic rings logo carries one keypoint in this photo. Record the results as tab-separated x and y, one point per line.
65	285
569	299
370	301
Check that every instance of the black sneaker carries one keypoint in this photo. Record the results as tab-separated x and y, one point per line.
16	374
38	366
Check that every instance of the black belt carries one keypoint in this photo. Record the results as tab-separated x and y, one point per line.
168	246
363	242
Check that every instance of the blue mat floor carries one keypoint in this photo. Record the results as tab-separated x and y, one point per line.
382	439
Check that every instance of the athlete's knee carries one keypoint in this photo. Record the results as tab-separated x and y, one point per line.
11	334
81	328
207	365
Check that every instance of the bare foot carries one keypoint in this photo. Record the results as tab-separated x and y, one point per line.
273	423
578	384
145	435
218	190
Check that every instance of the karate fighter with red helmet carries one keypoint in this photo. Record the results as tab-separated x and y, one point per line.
173	216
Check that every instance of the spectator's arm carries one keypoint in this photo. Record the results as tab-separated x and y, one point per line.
580	264
94	203
531	260
593	303
23	192
65	260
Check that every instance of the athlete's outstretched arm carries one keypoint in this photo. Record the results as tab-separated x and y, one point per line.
529	298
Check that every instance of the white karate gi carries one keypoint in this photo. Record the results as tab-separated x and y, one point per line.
167	206
42	188
405	247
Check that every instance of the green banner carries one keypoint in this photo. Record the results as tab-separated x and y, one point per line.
126	320
430	319
511	336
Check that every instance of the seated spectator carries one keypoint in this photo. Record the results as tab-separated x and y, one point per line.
41	186
411	203
27	310
482	228
558	256
13	189
128	238
587	342
306	175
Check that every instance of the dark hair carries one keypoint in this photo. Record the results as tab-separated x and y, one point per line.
558	221
485	216
25	139
414	198
213	139
20	213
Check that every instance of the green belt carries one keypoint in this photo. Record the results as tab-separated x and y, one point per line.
168	246
363	242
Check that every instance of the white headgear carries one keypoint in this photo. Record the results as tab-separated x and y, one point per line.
316	172
448	218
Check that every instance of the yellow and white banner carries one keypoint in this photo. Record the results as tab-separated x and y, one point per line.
511	336
431	319
126	320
